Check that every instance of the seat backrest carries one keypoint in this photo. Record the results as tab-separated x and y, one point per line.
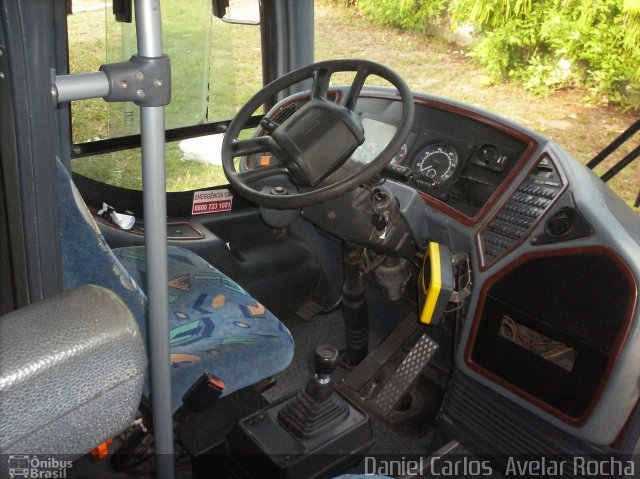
86	256
72	369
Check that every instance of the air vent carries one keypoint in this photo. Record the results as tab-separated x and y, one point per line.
515	220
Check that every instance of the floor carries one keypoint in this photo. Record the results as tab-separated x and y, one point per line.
330	329
323	329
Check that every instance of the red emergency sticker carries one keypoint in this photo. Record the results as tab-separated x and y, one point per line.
211	201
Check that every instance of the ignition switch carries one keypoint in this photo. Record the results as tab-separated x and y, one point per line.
382	200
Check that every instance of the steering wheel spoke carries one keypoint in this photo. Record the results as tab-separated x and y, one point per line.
260	173
320	87
351	98
251	146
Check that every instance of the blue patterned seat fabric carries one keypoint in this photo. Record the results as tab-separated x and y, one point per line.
215	325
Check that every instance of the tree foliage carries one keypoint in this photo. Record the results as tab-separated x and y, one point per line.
406	14
544	44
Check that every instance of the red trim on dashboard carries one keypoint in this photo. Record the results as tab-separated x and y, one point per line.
532	145
615	352
618	441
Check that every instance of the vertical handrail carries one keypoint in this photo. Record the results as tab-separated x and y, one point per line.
152	133
152	137
149	36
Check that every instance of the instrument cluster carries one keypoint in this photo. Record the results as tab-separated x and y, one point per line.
460	173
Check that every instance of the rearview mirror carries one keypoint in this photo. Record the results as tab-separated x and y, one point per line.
244	12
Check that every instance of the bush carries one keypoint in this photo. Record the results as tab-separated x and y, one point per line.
543	44
551	44
406	14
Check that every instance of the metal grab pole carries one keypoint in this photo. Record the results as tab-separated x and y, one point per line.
81	86
149	35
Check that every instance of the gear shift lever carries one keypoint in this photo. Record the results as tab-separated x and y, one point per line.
317	407
325	361
315	431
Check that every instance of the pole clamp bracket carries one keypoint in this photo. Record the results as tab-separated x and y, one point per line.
144	81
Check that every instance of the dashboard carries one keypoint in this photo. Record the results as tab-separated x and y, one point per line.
459	162
554	253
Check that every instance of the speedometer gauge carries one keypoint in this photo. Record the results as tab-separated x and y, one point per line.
435	164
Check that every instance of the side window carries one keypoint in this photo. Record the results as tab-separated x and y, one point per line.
216	66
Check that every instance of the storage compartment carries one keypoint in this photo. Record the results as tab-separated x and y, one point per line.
551	327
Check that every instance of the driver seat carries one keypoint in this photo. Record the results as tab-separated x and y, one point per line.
215	325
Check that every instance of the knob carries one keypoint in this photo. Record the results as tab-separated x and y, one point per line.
560	224
317	408
325	360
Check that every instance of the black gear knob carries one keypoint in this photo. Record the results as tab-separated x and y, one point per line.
325	360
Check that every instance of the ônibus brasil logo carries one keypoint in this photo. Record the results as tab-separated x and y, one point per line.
34	467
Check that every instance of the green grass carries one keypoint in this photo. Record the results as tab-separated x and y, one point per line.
205	87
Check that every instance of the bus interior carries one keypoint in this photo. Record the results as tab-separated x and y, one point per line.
380	275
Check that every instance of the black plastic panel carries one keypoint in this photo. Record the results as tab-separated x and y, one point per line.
580	300
487	423
570	392
515	220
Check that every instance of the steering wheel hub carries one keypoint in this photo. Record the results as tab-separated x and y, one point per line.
317	139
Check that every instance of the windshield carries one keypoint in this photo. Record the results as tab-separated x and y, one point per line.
438	55
217	67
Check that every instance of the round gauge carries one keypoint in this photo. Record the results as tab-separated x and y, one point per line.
488	157
435	164
402	154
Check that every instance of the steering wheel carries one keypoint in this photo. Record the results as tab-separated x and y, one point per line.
316	140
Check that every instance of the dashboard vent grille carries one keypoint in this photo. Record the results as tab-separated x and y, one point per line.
516	218
491	424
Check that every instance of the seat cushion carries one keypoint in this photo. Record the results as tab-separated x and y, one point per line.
215	325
